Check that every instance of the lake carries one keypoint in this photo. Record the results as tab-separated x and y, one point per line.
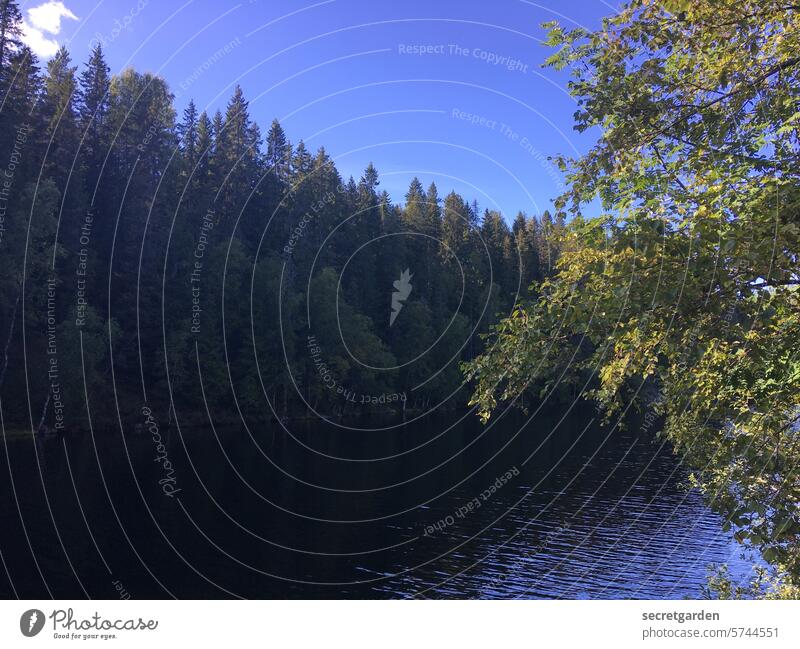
549	505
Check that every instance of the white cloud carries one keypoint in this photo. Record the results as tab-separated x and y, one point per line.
40	23
42	46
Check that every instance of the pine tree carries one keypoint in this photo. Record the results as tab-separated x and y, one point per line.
193	178
17	125
143	191
18	107
58	112
10	47
544	243
205	148
433	212
187	132
367	186
416	207
94	84
10	35
61	144
217	124
302	162
363	232
496	237
525	255
519	224
240	138
456	220
279	152
236	155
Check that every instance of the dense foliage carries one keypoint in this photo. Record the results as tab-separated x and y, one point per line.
151	258
682	300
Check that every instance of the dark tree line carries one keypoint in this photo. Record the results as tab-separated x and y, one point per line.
151	258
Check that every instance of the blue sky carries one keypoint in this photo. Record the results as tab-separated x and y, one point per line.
452	92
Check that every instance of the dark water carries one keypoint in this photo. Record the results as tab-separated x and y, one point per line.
559	509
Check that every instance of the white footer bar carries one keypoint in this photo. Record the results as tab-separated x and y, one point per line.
399	624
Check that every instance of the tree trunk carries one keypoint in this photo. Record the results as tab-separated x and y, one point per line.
10	337
44	411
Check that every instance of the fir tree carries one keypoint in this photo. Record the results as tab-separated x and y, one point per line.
10	34
279	152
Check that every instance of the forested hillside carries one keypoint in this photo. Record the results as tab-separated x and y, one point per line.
149	256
